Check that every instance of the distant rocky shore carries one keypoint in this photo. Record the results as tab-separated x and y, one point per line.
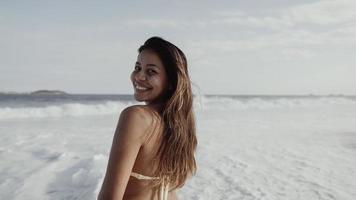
38	92
48	92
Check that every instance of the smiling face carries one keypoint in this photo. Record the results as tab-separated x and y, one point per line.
149	78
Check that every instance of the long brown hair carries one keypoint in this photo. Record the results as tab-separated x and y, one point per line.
175	156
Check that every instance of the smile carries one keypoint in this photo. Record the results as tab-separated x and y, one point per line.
140	88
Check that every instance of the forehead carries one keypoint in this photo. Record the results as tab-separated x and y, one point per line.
149	57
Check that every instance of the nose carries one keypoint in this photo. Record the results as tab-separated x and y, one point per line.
140	76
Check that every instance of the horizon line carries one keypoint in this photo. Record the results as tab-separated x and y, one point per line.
207	94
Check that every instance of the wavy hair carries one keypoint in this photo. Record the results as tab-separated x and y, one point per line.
175	155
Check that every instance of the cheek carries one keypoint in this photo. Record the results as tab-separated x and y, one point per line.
132	76
164	84
159	83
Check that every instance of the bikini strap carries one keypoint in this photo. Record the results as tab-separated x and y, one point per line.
142	177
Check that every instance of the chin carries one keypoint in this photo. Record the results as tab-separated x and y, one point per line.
138	98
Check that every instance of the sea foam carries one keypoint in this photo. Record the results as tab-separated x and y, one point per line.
203	102
63	110
266	102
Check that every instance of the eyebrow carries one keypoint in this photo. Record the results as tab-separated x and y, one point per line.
149	65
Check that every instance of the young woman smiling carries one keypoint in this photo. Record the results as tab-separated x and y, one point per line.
153	148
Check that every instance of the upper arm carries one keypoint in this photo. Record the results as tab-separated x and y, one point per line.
130	134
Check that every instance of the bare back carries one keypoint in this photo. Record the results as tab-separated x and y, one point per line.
145	162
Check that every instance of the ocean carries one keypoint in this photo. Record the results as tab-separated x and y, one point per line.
249	147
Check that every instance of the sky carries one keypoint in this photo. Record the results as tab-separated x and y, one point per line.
272	47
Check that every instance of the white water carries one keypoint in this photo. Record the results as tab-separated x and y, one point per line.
282	148
62	110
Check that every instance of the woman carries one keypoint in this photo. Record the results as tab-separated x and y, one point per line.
152	153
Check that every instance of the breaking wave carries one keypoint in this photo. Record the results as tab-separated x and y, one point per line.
202	102
62	110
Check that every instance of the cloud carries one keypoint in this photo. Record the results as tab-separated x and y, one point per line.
153	23
317	23
299	31
323	12
253	22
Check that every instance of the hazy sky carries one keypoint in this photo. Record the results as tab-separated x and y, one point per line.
233	47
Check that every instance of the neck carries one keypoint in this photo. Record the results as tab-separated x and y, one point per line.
156	106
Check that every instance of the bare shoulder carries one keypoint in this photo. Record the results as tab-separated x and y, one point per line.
138	122
141	115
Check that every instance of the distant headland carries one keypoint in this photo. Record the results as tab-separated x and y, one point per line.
36	92
56	92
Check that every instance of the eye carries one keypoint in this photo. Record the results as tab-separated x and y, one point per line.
151	72
137	68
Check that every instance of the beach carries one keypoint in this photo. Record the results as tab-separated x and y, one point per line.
249	147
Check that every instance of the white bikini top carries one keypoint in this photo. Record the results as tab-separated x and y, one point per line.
163	190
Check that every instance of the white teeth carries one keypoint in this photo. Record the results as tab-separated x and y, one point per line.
140	88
